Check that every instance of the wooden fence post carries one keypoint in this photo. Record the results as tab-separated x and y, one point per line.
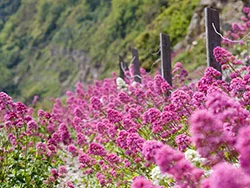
212	38
123	67
166	70
136	63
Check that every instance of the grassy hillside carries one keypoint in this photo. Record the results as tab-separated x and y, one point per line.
44	43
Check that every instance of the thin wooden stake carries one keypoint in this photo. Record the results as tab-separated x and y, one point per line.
136	62
122	67
212	38
166	70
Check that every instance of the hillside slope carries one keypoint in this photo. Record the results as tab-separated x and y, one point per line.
46	46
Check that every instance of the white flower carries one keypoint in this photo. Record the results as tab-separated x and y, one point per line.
237	165
207	173
121	84
157	176
193	156
134	83
194	43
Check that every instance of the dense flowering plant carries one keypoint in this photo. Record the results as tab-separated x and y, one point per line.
237	39
27	155
119	133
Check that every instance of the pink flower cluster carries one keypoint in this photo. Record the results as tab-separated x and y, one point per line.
120	135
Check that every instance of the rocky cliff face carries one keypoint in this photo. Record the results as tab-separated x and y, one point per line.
230	12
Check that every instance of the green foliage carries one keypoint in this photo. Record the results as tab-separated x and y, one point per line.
7	7
193	57
174	21
5	77
38	38
20	167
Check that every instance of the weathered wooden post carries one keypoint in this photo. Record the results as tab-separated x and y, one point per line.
212	38
136	63
123	67
166	70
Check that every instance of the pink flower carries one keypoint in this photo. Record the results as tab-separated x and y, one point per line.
85	160
151	115
173	162
124	97
64	134
113	158
243	147
4	100
135	142
62	170
96	103
141	182
41	148
70	184
73	149
226	176
54	172
182	141
207	133
32	126
150	148
81	140
113	115
121	140
96	149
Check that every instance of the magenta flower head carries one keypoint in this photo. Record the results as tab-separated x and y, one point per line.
207	132
151	115
12	139
179	73
237	86
54	172
113	158
73	149
21	108
70	184
32	126
135	142
179	98
79	90
121	140
166	158
134	113
78	113
212	73
150	148
96	149
124	97
62	171
182	141
84	159
81	140
161	85
243	147
158	79
246	10
223	57
173	162
141	182
114	116
227	176
64	134
4	100
96	103
41	148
